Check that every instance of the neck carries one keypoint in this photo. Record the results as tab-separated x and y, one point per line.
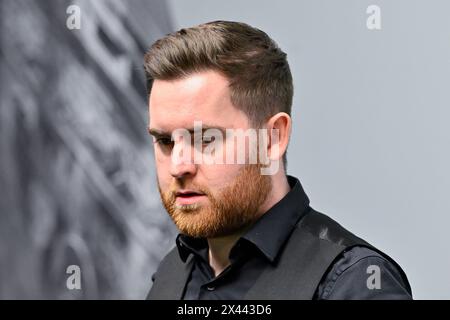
219	251
219	248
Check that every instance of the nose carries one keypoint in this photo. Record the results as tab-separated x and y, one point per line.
180	168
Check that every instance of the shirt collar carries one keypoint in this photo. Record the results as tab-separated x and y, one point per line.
187	245
268	234
271	231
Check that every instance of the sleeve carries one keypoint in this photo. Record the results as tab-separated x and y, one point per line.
363	274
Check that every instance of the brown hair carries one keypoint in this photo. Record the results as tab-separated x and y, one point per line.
258	71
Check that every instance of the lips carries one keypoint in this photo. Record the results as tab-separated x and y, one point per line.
188	193
188	196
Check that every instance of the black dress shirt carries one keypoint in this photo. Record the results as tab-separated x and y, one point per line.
347	278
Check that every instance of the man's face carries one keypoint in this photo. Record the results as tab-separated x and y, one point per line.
204	200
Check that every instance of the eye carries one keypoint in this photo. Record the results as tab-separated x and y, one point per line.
208	139
164	141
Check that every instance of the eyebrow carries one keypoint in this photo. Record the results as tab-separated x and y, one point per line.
161	133
157	133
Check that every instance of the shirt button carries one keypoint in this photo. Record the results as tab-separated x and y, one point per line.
210	288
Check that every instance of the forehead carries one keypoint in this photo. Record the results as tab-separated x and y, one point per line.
201	96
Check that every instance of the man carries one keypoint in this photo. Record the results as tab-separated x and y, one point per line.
245	233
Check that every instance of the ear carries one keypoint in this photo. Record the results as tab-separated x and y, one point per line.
279	129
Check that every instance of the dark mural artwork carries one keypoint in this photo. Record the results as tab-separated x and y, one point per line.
76	166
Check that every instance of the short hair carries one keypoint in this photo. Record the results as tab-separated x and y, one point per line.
257	69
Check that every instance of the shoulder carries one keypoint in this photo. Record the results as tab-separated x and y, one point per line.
364	273
325	228
354	271
171	258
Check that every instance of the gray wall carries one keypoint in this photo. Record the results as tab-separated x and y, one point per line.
76	164
371	137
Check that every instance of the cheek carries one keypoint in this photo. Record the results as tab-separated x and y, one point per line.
159	158
162	170
163	161
162	154
218	176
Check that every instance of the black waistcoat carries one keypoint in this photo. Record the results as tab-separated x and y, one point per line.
309	252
